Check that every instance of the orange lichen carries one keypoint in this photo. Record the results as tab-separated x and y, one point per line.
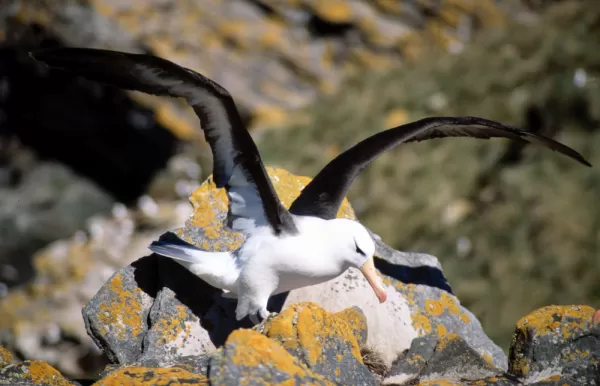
445	340
488	358
562	320
440	382
5	356
253	349
143	376
121	314
356	320
421	322
172	326
307	326
441	329
40	373
434	307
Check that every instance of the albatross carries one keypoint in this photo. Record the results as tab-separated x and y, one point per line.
283	249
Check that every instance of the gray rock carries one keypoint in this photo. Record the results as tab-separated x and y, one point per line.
255	358
447	358
557	342
117	316
29	373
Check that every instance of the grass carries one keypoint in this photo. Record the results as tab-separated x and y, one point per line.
527	239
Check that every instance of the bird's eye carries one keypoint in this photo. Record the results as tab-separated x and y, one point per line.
358	250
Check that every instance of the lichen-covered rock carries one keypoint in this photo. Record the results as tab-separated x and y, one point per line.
447	357
42	319
5	357
419	301
325	342
558	341
147	376
32	373
117	316
419	298
258	360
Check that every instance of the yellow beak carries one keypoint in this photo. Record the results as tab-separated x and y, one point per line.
368	269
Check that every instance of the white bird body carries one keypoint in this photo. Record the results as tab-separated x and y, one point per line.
267	265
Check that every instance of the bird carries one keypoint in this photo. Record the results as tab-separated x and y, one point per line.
284	249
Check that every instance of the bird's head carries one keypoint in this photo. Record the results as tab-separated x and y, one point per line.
357	251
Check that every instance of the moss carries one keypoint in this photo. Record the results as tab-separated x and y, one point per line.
144	376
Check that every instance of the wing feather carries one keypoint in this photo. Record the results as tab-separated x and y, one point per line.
323	196
237	165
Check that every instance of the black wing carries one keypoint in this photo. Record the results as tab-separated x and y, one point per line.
323	196
237	165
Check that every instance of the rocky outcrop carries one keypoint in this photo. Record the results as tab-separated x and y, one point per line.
32	373
305	344
42	319
558	343
155	309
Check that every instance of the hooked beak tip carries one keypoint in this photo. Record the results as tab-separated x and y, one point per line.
368	270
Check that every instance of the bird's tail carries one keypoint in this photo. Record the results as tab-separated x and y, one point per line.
216	268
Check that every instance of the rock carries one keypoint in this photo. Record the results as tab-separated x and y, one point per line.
145	376
39	209
447	357
32	373
325	342
42	320
258	360
158	289
5	357
557	341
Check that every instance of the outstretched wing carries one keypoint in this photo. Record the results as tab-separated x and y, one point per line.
237	165
323	196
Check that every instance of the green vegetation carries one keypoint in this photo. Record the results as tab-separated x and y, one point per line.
530	237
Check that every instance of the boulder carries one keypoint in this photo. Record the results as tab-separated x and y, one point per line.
327	343
560	342
42	320
164	312
32	373
447	357
147	376
258	360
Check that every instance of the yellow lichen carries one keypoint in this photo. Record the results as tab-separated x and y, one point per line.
308	326
41	373
172	326
441	329
563	320
421	322
445	340
253	349
143	376
5	356
122	312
